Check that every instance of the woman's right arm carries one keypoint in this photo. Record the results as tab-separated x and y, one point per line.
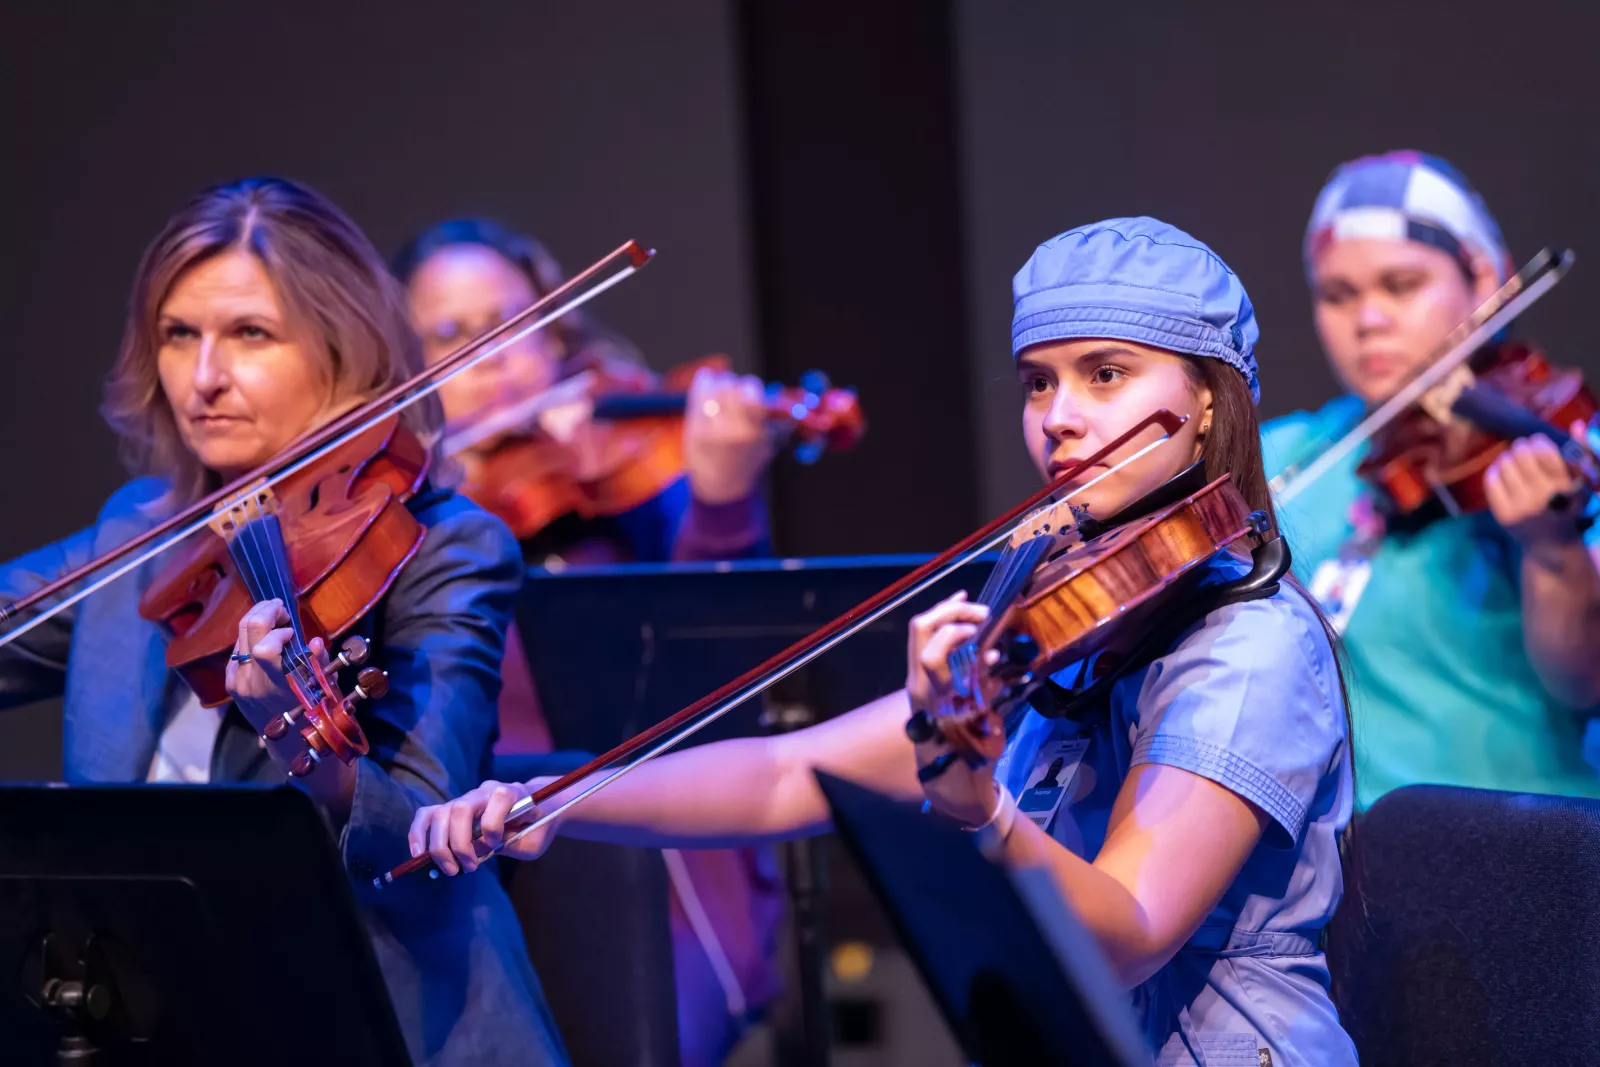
719	795
34	666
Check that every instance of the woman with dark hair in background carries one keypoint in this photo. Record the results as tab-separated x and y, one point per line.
468	275
1471	636
1201	785
259	313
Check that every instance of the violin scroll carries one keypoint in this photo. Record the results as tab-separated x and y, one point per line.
818	416
325	718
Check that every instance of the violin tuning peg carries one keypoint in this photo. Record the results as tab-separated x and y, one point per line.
277	727
304	763
353	653
372	684
808	452
815	381
920	728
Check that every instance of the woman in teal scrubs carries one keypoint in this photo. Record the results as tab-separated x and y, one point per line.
1473	640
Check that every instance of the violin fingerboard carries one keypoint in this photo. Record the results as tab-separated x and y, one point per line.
259	551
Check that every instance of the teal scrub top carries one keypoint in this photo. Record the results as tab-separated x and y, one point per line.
1441	690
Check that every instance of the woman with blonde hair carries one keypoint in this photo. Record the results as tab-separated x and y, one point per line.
259	313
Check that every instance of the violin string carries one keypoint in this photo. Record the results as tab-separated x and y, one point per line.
297	653
262	563
1027	557
245	553
961	660
994	573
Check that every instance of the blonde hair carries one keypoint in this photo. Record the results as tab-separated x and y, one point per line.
334	287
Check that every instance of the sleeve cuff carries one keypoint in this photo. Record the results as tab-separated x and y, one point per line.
1229	770
721	531
374	841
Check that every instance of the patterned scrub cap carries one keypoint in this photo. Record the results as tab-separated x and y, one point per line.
1406	196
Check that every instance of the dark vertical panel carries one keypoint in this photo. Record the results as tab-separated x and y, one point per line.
857	231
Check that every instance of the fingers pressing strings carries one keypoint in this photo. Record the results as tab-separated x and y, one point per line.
262	559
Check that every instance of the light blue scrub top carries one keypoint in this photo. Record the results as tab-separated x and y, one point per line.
1249	698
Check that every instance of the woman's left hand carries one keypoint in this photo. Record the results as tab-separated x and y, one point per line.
258	685
726	443
1520	485
961	791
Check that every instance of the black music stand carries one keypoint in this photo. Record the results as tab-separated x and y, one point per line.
1019	980
615	649
181	925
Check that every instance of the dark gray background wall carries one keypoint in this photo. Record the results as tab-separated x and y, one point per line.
590	123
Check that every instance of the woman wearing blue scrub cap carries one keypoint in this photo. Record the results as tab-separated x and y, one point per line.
1190	804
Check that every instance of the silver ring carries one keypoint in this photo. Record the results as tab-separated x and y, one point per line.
240	657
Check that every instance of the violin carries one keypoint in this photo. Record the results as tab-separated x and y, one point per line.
1442	448
1051	607
328	541
608	440
1504	392
1063	595
323	527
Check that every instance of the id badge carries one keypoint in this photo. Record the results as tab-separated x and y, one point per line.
1051	779
1337	585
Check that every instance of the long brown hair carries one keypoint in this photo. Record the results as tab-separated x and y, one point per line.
1233	446
333	284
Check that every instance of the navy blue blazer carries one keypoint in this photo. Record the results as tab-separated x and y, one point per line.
451	949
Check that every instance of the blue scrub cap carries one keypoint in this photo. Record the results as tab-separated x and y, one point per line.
1137	280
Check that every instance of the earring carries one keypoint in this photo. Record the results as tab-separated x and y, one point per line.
1205	427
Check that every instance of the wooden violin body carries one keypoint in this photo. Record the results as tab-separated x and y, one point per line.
530	480
347	532
626	448
1419	457
1097	594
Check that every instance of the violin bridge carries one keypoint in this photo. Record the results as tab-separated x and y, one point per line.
253	504
1058	521
1438	401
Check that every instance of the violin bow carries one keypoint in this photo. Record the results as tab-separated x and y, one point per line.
708	709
